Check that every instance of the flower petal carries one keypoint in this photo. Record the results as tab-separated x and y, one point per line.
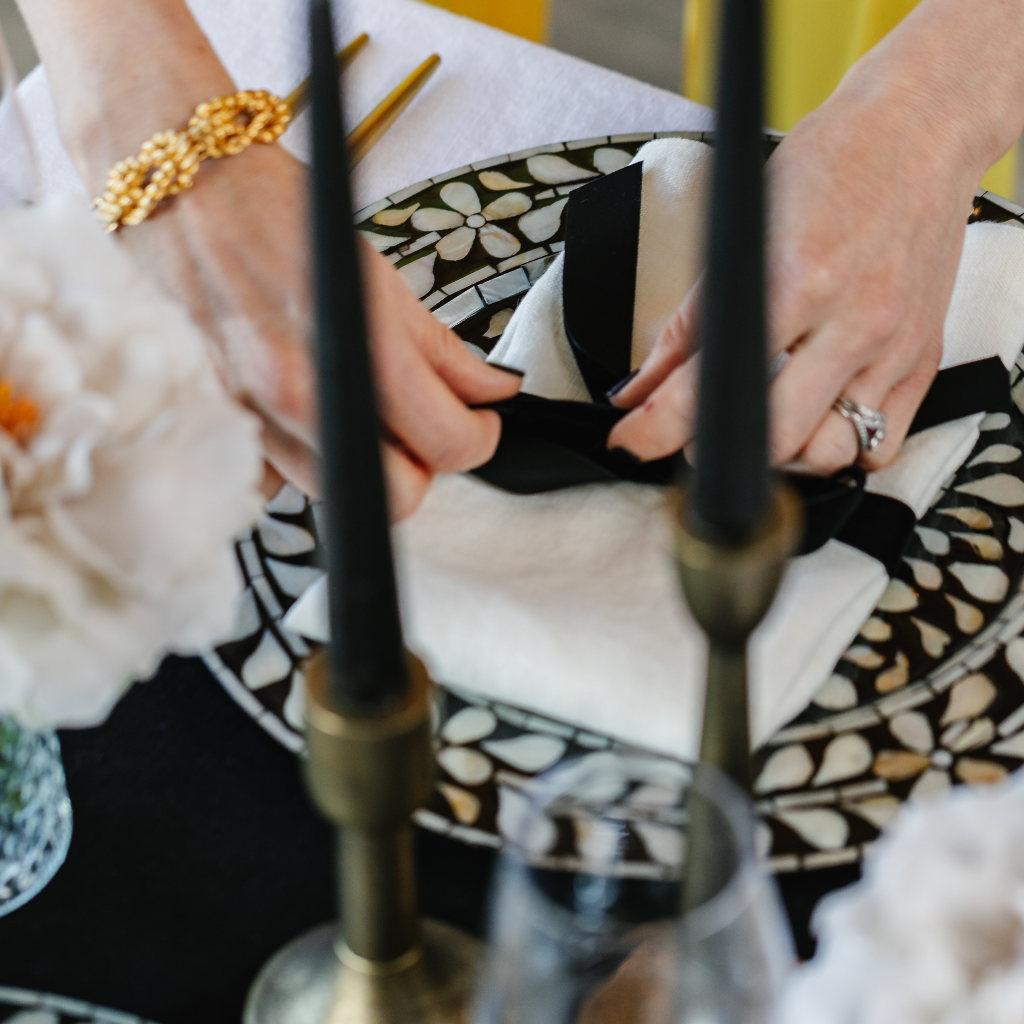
1000	489
897	765
498	182
836	694
496	328
984	546
968	618
972	517
845	757
512	204
556	170
393	215
895	677
985	582
607	159
456	244
820	827
543	221
914	731
419	275
785	769
433	219
465	806
898	597
498	242
979	773
969	698
382	242
933	640
461	196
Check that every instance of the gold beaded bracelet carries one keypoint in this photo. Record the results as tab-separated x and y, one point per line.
168	162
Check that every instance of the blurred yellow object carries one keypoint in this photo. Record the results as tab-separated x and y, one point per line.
811	44
526	18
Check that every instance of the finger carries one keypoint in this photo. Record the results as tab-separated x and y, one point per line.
272	482
397	317
469	377
900	409
836	444
675	345
292	458
665	421
808	385
426	416
407	481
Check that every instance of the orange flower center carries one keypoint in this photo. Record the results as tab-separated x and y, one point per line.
19	415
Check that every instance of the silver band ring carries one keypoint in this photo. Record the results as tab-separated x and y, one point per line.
869	423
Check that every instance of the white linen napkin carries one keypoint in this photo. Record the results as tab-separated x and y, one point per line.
934	934
567	603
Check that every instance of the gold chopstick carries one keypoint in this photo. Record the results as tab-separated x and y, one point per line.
364	136
298	99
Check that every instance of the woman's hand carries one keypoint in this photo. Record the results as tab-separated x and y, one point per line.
868	199
234	250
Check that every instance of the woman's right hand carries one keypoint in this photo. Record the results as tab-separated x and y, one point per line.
234	250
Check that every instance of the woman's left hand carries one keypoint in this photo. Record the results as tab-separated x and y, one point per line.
868	199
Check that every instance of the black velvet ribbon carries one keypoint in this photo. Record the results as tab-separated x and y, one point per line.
549	444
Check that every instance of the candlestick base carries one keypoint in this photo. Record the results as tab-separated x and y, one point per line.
311	982
379	964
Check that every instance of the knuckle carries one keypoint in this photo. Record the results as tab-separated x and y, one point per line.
831	450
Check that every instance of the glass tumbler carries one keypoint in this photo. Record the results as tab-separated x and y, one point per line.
35	813
587	919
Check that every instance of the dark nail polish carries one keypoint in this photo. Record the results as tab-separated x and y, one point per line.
508	369
627	456
613	391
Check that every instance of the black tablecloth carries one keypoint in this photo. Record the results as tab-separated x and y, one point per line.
196	855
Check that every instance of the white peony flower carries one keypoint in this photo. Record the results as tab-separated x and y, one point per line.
934	933
125	471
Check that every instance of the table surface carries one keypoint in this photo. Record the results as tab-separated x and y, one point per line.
196	854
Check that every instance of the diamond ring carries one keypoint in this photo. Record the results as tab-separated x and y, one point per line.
869	423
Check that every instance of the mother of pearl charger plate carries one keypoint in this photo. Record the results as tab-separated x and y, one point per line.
20	1006
929	695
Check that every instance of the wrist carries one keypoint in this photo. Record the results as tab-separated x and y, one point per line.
953	82
114	89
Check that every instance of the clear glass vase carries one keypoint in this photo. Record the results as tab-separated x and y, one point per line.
587	921
35	813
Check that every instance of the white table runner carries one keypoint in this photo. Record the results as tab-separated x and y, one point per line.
493	94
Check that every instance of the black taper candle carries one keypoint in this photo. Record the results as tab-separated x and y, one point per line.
368	671
731	490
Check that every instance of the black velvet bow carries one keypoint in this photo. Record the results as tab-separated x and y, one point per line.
551	444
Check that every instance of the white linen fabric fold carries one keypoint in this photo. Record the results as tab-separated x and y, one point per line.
567	603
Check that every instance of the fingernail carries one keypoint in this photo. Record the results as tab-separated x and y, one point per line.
508	369
614	390
627	455
798	468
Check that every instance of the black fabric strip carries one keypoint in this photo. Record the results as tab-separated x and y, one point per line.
548	445
881	529
602	236
981	386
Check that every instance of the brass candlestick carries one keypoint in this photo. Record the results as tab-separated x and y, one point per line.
381	964
729	588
